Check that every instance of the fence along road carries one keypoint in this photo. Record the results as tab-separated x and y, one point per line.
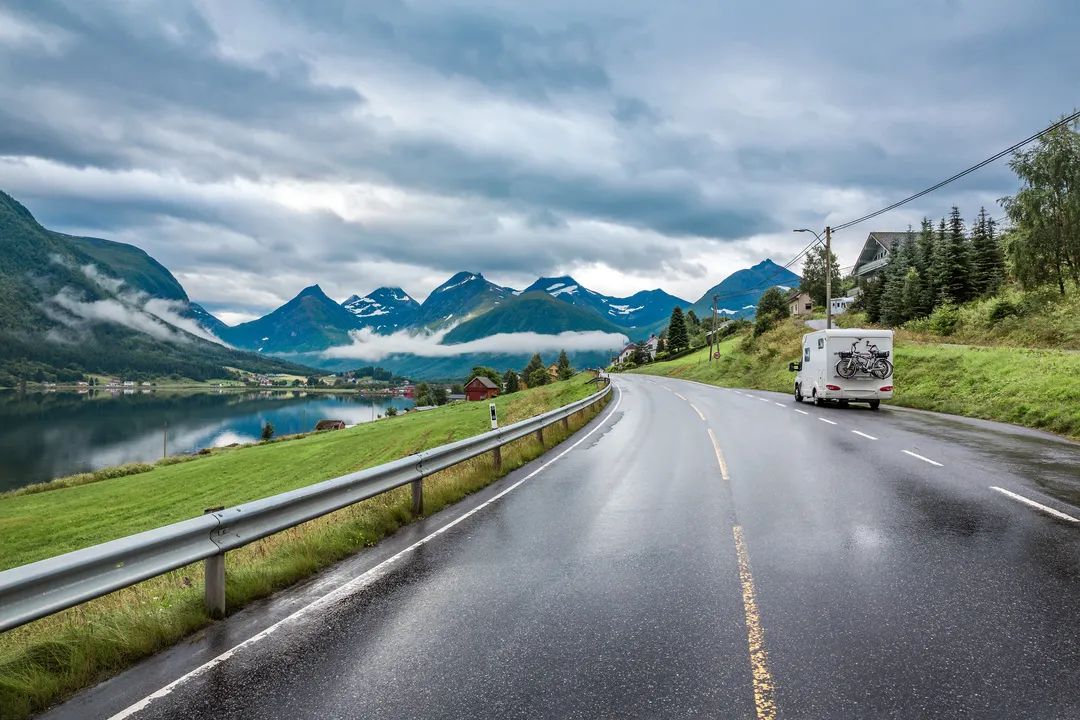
49	586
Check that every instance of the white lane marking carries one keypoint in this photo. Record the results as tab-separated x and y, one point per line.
764	399
868	437
719	455
751	396
779	404
699	414
681	397
1038	506
800	411
924	459
347	588
825	420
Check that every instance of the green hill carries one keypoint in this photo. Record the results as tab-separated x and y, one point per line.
532	312
310	321
71	306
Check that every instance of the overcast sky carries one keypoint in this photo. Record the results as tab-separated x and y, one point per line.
256	147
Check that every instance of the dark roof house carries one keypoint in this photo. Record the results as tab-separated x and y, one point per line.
875	253
330	425
480	388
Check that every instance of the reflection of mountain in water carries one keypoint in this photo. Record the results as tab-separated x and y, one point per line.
43	436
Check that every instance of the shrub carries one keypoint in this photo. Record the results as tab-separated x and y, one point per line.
944	319
999	309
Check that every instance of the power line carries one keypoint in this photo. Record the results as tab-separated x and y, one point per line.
767	283
957	176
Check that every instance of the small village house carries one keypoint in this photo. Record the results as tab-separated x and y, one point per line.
480	388
800	303
329	425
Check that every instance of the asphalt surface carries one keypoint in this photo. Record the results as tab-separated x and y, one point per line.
862	567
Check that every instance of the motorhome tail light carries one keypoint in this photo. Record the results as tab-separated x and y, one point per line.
832	387
885	388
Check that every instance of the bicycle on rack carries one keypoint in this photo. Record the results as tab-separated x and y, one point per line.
869	362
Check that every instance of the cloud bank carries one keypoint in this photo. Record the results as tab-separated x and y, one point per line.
366	345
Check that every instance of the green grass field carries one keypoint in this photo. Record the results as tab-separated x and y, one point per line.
1037	388
55	656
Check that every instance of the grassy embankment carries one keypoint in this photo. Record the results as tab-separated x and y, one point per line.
991	367
53	657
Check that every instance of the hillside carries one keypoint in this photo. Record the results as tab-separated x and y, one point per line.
532	312
310	321
65	310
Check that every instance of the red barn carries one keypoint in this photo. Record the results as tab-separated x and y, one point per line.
480	388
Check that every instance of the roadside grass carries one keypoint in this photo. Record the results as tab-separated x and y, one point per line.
1037	388
47	660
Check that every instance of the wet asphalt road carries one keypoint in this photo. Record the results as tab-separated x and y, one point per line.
609	583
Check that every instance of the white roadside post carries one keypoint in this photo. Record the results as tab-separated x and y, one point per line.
497	452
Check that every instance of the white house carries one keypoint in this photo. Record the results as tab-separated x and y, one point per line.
874	255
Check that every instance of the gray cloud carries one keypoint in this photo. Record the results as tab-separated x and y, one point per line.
258	146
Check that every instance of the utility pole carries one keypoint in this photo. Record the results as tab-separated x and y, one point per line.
712	334
828	277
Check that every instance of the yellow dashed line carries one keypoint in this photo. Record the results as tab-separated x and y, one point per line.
759	661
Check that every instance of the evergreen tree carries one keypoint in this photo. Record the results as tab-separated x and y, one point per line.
510	382
565	371
677	339
535	363
939	267
912	294
924	263
959	259
901	259
987	264
871	299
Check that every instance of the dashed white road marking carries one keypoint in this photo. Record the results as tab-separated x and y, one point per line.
349	587
924	459
826	420
681	397
868	437
1038	506
699	413
800	411
779	404
764	399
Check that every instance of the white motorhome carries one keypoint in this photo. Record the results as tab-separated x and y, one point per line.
845	365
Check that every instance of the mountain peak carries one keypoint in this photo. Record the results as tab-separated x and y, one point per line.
311	291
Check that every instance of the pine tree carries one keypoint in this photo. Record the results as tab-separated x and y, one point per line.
939	267
511	383
924	263
871	299
912	294
987	265
565	371
901	259
958	258
535	363
678	339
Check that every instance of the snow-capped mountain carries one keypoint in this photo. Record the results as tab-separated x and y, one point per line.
384	310
464	295
638	310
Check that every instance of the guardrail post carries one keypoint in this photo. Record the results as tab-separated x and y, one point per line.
214	579
566	423
540	435
496	456
417	496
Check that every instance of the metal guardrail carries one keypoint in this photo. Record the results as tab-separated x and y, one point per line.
48	586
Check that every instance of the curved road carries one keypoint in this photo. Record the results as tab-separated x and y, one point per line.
695	552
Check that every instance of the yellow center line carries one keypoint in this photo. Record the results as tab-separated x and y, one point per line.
755	635
719	455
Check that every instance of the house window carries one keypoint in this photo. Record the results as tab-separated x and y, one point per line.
809	306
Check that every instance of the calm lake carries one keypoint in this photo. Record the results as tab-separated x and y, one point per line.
49	435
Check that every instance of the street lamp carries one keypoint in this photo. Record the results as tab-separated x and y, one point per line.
828	271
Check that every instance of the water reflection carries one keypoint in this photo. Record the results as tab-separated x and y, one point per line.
47	435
